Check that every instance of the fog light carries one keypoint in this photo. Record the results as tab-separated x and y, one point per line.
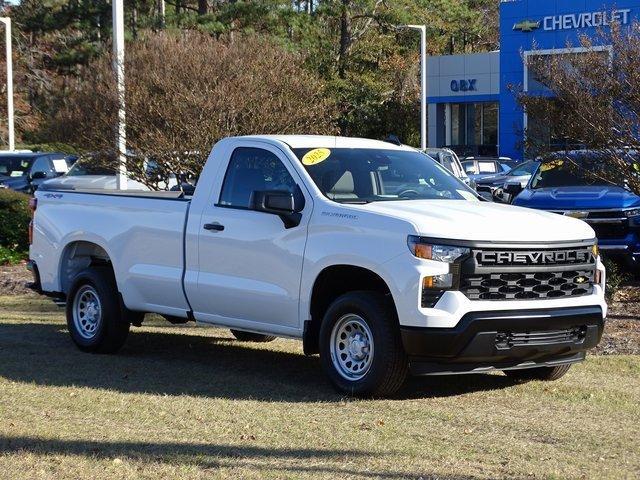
438	281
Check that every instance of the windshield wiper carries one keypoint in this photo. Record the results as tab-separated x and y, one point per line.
355	202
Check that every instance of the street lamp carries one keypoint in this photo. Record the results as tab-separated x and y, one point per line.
10	123
423	81
118	66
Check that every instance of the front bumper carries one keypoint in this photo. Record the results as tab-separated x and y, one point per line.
510	339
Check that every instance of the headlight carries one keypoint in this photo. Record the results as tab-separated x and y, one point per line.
632	212
433	286
439	253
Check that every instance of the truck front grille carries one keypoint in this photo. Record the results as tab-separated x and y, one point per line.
528	273
610	231
551	337
608	224
526	286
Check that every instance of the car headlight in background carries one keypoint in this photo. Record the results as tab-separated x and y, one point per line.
433	286
632	212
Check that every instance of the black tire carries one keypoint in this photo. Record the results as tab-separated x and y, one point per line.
252	337
110	327
538	373
388	368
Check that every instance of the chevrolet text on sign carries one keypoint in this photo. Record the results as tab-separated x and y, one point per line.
586	19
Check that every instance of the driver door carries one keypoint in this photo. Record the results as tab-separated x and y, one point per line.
250	264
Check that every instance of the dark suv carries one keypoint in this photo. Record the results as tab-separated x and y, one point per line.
25	171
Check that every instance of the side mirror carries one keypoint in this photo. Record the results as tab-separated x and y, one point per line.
38	175
513	188
284	204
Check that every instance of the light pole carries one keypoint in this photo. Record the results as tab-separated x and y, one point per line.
10	122
423	82
118	66
162	12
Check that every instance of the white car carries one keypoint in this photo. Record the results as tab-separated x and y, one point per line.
84	174
311	237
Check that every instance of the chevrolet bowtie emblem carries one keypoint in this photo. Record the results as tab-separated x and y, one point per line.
526	26
581	279
576	214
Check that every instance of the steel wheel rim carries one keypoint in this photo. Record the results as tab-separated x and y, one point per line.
87	312
352	347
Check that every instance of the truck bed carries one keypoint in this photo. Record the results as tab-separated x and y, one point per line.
141	232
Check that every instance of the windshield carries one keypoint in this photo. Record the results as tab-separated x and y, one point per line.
573	171
362	175
15	166
526	168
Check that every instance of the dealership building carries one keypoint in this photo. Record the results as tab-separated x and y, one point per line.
471	104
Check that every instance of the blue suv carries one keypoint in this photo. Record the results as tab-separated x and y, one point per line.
565	184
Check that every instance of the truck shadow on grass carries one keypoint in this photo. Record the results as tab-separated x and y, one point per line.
199	364
207	456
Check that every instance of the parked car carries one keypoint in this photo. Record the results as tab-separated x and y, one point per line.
449	160
26	171
86	174
480	167
491	185
562	184
298	236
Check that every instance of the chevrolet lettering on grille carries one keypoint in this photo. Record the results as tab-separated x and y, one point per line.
542	257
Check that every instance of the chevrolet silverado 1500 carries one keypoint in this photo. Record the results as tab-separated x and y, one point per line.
373	254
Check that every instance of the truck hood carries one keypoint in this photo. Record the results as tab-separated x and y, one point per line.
482	221
572	198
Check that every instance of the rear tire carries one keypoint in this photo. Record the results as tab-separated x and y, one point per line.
94	316
252	337
360	346
539	373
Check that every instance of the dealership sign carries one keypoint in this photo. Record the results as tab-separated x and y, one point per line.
464	85
572	21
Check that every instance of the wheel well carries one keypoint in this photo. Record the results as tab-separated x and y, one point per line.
331	283
76	257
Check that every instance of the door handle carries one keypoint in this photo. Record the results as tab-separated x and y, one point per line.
214	226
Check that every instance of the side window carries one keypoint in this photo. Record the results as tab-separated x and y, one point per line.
42	164
469	167
487	167
253	169
451	165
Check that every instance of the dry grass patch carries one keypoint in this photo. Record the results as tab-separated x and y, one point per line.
188	402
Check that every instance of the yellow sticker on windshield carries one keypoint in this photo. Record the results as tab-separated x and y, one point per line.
317	155
551	165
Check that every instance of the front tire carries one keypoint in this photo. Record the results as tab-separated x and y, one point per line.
539	373
94	317
360	347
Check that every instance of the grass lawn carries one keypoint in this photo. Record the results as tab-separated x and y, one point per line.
189	402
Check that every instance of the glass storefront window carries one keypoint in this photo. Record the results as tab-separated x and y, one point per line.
474	124
490	124
458	115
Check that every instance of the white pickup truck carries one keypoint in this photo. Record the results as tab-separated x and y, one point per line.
371	253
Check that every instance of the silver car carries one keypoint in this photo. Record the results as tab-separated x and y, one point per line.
449	160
